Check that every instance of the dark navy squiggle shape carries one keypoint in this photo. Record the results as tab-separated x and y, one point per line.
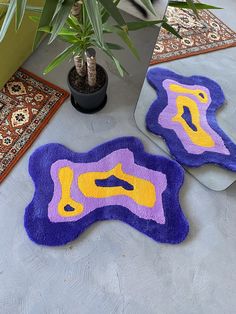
42	231
188	118
114	181
68	208
155	77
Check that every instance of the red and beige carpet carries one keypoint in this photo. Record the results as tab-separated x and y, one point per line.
208	33
27	103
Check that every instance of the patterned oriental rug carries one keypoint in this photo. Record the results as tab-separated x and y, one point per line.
27	103
198	35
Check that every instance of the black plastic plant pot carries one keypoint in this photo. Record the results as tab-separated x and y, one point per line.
88	102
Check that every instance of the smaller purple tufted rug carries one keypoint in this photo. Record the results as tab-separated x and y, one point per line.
116	180
184	114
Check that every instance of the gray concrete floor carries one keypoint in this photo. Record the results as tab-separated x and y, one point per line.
112	268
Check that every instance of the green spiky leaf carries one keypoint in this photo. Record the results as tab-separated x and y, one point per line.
60	58
113	46
134	26
198	6
46	18
148	4
93	11
192	6
20	11
111	8
170	29
8	18
60	18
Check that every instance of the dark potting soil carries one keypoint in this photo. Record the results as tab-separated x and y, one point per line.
81	83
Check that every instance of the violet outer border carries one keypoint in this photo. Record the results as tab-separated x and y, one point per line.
42	231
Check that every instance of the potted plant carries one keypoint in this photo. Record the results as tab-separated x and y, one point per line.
82	24
88	80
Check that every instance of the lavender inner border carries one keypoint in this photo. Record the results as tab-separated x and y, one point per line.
42	231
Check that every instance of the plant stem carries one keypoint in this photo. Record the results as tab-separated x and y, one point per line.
80	65
76	9
91	66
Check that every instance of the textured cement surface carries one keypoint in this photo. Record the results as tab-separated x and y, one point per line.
220	66
112	268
